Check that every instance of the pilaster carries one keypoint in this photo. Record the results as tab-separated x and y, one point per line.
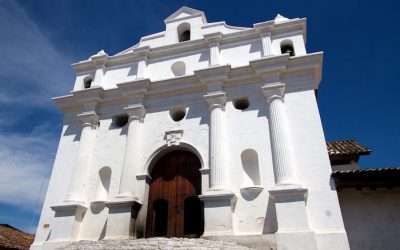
89	122
136	114
216	102
282	152
100	60
213	42
142	54
266	44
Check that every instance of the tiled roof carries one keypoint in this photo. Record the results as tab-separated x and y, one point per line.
12	238
347	147
371	177
345	151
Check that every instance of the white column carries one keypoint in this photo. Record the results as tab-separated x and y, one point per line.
142	68
128	178
89	123
266	44
282	152
216	102
214	53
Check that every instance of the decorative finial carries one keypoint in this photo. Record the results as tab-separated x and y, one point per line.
280	19
101	53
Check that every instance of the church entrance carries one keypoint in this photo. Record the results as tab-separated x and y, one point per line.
174	209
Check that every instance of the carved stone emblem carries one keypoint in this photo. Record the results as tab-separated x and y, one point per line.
173	137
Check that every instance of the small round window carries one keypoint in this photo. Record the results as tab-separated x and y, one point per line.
120	120
241	103
177	114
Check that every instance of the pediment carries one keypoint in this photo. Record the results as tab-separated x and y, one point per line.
185	12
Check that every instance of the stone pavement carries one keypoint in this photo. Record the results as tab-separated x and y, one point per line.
156	244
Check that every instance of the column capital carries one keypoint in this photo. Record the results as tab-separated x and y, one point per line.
273	91
89	118
264	26
214	77
213	38
135	111
215	99
265	34
142	51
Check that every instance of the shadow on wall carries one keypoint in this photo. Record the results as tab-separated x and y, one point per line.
73	129
270	223
197	111
133	70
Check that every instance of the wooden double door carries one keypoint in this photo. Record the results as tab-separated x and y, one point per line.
174	209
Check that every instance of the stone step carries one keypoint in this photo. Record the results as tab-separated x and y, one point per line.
157	244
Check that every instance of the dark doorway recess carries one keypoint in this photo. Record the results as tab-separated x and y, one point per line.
174	209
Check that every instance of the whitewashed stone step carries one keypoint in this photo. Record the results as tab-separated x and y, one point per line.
156	244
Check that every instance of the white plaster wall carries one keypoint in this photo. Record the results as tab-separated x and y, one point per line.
219	27
313	166
80	79
298	44
371	218
108	151
119	74
248	129
171	35
160	68
60	178
239	54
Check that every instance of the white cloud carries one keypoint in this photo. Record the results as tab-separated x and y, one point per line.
25	164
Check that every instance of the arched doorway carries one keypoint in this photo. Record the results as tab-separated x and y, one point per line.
174	209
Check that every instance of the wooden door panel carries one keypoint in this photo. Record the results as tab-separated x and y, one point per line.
175	177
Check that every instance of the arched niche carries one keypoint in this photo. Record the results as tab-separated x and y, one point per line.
287	47
178	68
103	184
87	82
183	32
251	182
251	172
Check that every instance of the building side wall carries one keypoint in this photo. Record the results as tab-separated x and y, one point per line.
371	218
59	180
313	167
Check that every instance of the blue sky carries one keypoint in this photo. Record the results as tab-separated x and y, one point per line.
40	39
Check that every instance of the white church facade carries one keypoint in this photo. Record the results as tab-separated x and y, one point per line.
201	130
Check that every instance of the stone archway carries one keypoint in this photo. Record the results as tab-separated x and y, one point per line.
174	209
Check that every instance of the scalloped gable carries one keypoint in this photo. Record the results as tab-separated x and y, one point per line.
183	13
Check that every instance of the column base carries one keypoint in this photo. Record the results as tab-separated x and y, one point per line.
297	240
332	239
122	213
218	210
293	227
67	221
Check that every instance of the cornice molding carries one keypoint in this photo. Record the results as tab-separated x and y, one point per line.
266	70
137	87
213	74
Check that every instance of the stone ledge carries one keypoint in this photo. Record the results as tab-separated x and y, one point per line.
158	244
